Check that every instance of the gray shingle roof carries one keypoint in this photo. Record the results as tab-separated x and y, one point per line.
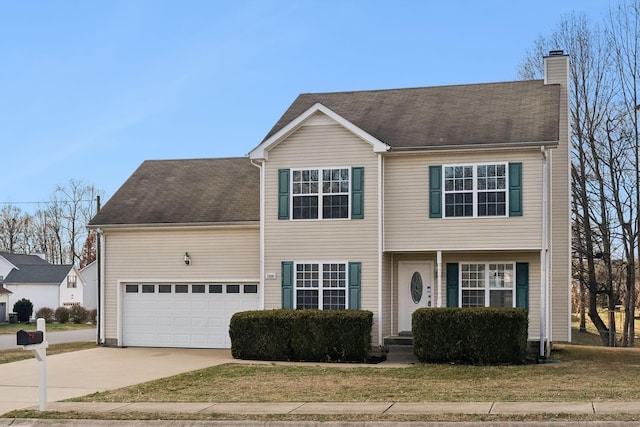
42	274
490	113
184	192
20	260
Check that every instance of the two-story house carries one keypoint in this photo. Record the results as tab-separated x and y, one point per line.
44	284
386	200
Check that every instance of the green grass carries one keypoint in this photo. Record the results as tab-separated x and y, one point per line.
8	356
581	374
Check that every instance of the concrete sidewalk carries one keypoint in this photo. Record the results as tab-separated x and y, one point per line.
350	408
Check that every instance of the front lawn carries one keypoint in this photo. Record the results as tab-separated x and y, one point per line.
8	356
578	373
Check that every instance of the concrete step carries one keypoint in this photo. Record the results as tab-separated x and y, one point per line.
401	354
398	340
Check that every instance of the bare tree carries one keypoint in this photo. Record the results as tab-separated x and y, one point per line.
591	94
12	228
623	36
75	201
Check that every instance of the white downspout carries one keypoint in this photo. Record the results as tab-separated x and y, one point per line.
103	253
544	254
262	273
380	248
439	267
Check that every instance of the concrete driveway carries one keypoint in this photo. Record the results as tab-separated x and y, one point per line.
88	371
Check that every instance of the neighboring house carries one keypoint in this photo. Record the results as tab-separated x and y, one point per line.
44	284
90	295
4	303
386	200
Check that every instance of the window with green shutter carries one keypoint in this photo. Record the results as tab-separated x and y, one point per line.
475	190
329	193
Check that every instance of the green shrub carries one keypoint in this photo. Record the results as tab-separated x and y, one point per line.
93	316
24	309
470	335
62	314
302	335
45	313
78	314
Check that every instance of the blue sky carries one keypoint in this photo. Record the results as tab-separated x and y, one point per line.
91	89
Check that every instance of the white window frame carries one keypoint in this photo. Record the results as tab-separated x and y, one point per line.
320	194
487	276
475	191
320	288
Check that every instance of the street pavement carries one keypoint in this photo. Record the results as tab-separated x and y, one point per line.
8	342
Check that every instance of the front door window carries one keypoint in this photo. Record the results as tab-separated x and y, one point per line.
416	287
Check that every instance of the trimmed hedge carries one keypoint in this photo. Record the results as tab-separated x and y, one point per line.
481	336
301	335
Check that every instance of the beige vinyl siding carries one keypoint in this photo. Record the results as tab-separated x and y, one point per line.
557	72
387	294
217	254
343	240
407	226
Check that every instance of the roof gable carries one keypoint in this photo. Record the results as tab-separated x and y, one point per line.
261	151
510	113
185	192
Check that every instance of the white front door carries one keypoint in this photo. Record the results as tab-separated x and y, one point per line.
415	284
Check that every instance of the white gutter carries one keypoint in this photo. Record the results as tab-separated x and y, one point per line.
544	254
262	272
380	247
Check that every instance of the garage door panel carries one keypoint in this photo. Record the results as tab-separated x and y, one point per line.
195	320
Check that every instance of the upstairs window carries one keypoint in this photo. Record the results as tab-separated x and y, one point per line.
475	190
321	193
72	281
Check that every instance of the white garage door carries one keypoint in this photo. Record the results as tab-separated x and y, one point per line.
183	315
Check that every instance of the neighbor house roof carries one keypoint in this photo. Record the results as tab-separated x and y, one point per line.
508	113
219	190
40	274
20	260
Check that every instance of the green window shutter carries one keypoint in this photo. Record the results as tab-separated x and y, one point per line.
283	193
522	285
287	284
515	189
354	285
357	193
452	284
435	191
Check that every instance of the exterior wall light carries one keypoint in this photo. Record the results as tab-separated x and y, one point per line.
187	258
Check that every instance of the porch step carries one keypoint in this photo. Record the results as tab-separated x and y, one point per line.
401	354
399	340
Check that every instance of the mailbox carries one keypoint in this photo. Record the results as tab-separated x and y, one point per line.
29	337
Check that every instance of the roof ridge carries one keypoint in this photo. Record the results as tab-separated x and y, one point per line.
421	87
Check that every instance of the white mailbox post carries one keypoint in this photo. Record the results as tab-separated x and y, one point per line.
36	341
